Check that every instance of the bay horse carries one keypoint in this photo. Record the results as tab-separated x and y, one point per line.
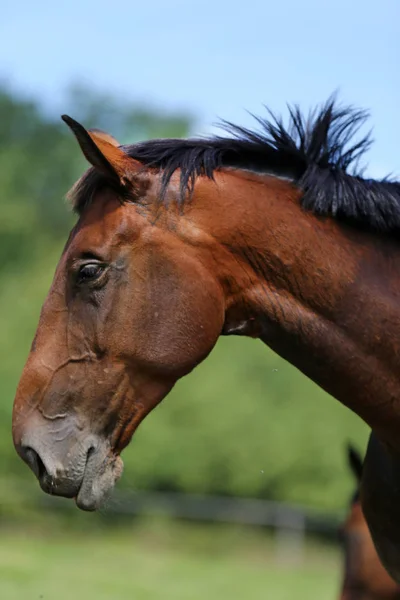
365	578
272	234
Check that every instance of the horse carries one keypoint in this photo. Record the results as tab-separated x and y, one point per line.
364	578
270	233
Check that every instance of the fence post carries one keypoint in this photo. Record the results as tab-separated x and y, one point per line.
289	536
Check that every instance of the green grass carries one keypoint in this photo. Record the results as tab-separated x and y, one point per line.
159	561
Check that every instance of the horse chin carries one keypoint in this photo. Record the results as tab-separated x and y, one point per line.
98	481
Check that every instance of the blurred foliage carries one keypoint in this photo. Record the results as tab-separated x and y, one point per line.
244	422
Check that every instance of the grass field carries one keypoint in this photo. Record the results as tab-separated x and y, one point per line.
159	561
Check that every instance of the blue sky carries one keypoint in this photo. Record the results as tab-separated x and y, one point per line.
213	58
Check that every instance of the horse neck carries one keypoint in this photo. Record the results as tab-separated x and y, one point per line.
303	285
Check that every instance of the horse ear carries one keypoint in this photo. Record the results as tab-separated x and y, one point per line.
106	137
103	152
355	461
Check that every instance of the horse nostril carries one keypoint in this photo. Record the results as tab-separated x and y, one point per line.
35	462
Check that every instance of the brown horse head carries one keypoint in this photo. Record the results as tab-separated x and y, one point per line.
132	308
274	235
364	575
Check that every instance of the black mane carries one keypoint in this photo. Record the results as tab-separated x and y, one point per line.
319	153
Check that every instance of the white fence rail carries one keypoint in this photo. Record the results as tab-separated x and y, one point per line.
289	522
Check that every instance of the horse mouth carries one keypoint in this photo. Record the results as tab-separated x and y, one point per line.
98	482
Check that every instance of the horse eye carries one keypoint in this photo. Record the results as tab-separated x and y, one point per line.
89	272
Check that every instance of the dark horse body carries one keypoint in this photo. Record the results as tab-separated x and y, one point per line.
179	242
364	576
